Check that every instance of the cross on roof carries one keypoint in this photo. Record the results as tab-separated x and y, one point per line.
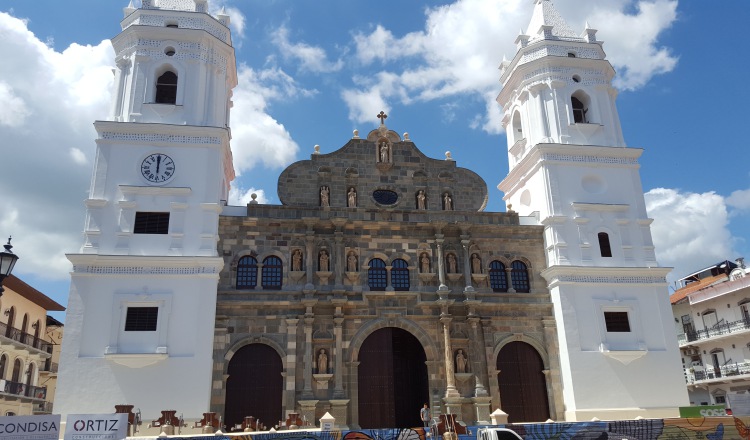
382	116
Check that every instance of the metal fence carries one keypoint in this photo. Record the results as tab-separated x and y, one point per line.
720	329
23	337
21	389
727	371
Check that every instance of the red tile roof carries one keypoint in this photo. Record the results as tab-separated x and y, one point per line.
682	293
15	284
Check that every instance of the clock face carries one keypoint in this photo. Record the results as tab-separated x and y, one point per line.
158	168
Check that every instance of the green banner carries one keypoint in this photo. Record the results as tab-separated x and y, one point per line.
703	411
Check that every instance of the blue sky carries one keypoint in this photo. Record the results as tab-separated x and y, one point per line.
311	72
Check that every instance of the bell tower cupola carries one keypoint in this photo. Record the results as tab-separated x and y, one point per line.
557	89
175	65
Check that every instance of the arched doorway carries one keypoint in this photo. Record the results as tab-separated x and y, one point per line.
254	386
392	380
523	388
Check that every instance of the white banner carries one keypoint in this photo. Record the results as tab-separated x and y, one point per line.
96	427
46	427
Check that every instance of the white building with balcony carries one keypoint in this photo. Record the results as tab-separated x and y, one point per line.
712	318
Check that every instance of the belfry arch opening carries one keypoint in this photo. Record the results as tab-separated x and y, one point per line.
392	377
580	103
254	386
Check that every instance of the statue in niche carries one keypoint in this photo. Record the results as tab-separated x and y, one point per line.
476	264
324	192
447	202
351	262
384	152
424	262
323	261
421	200
297	260
322	361
352	197
452	263
461	362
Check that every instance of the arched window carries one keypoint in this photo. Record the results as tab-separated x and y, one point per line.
247	273
604	246
271	278
376	275
400	275
498	278
25	328
29	377
517	128
166	88
11	321
519	276
16	371
3	366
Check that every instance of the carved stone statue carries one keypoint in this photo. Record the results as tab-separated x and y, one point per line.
476	264
452	263
460	362
351	262
323	261
297	260
384	150
322	362
424	262
447	202
421	200
352	198
324	200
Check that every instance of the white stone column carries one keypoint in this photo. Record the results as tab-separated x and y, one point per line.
338	368
307	393
467	265
290	378
450	378
441	264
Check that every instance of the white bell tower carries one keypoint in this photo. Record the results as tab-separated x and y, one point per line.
571	170
140	321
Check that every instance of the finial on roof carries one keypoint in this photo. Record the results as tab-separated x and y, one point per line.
317	149
355	134
587	25
129	9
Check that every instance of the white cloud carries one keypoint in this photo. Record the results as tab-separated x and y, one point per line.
13	111
78	156
257	138
43	190
312	58
690	230
463	43
239	196
740	200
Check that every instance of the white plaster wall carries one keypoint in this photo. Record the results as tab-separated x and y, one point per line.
193	214
591	379
90	383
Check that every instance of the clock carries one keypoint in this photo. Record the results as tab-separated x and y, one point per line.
157	168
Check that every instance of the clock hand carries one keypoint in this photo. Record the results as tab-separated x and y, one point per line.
158	162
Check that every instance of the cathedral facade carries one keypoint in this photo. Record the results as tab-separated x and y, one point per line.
379	283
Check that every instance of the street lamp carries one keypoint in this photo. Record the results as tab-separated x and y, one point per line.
7	261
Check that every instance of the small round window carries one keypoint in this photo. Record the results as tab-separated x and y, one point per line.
385	197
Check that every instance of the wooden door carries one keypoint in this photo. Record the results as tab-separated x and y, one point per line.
254	386
522	385
392	380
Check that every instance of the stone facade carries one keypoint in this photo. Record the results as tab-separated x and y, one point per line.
447	305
